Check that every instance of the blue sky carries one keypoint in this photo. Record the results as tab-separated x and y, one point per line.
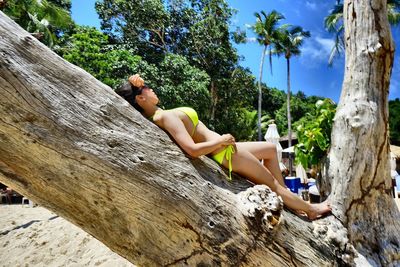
309	72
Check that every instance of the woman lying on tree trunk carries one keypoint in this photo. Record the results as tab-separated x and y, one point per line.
196	139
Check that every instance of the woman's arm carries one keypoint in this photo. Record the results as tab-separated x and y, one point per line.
174	126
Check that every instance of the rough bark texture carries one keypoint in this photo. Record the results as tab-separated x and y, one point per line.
358	167
71	144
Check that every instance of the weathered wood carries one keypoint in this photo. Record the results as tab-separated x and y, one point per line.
72	145
359	167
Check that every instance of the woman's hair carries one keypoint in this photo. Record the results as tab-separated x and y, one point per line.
129	93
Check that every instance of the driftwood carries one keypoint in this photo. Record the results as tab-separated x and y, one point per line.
71	144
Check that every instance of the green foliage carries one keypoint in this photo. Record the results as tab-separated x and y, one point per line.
239	36
44	18
64	4
289	40
314	135
234	95
272	100
248	123
209	39
142	25
394	121
197	31
181	84
393	7
183	49
175	80
89	49
301	107
266	26
266	29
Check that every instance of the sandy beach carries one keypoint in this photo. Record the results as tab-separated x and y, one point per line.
37	237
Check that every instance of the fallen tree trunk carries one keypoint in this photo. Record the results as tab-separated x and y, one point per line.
71	144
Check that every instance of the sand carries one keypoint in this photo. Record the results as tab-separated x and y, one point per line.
37	237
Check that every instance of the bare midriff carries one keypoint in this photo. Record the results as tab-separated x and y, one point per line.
201	133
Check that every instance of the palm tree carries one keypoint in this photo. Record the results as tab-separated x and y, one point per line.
266	30
334	24
40	17
288	43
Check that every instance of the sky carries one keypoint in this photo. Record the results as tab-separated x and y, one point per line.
309	72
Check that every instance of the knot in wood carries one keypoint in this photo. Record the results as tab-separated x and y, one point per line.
361	114
261	206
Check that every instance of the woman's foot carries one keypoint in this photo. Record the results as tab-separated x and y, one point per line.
317	210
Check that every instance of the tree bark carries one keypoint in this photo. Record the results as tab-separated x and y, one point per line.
69	143
358	161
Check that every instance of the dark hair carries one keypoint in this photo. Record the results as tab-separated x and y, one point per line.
129	93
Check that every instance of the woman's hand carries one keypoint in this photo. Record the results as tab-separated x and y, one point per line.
136	80
227	139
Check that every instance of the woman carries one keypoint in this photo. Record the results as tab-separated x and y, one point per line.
196	140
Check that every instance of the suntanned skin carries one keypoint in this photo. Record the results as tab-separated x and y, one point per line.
245	160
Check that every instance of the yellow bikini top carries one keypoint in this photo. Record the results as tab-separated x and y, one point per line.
190	112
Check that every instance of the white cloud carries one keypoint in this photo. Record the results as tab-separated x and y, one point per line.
318	48
251	39
333	85
312	6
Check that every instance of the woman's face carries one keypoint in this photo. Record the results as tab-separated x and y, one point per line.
149	95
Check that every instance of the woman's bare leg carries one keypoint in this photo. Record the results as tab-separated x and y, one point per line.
267	152
247	165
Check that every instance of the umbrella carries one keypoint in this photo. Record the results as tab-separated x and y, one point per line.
301	172
393	171
272	136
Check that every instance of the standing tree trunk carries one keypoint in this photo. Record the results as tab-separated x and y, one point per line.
69	143
260	95
358	167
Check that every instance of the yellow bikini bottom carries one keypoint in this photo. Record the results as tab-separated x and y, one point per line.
227	153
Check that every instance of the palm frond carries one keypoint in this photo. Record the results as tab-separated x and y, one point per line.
334	19
336	50
393	13
289	40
